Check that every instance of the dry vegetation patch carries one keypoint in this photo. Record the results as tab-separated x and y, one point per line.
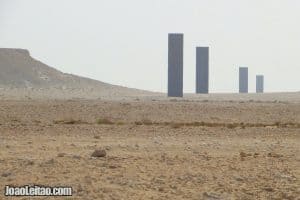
69	121
105	121
148	122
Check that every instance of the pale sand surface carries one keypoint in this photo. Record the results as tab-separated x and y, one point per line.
230	147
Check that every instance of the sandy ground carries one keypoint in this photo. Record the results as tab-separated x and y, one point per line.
156	148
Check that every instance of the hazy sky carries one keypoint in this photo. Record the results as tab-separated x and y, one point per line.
124	42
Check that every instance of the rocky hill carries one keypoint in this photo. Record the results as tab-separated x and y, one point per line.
21	73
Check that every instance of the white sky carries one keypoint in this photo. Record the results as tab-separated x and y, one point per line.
124	42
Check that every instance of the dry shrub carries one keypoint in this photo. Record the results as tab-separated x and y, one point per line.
147	122
120	123
68	121
196	124
176	125
277	124
138	123
243	126
232	125
212	124
104	121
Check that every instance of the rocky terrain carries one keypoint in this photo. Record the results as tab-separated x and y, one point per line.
111	142
154	149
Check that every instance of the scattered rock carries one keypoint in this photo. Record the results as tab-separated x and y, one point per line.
107	148
211	196
107	190
30	162
79	189
271	127
6	174
269	189
274	155
243	154
113	166
77	157
255	155
99	153
239	178
61	155
187	148
50	162
88	180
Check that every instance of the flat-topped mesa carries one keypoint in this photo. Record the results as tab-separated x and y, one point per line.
18	70
19	51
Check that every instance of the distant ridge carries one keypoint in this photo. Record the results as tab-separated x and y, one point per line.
18	70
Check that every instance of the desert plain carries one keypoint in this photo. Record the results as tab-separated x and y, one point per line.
156	148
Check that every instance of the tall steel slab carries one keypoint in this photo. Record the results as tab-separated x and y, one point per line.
175	65
259	84
202	70
243	80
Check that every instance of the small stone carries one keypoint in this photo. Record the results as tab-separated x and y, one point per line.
238	178
107	148
255	155
30	162
7	174
50	162
76	157
99	153
274	155
211	196
269	189
79	188
243	154
61	155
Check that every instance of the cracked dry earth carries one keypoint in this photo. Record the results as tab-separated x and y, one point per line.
148	158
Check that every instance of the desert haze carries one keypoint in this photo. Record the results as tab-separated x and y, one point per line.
216	146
